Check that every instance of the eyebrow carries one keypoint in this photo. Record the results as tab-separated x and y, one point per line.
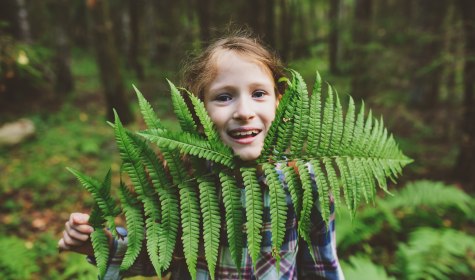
253	85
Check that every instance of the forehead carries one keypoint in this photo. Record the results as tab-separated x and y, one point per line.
226	60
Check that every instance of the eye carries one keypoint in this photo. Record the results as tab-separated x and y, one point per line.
224	97
258	94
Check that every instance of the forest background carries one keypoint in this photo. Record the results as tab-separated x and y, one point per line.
65	64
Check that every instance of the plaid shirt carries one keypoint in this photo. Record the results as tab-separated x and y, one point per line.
296	261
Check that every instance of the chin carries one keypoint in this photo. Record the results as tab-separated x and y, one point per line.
247	155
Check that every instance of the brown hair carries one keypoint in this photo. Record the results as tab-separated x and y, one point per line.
201	69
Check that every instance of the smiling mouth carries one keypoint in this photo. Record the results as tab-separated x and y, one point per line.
242	134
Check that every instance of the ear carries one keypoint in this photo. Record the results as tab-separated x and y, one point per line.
278	97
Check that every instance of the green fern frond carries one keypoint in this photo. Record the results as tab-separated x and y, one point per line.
278	210
286	125
153	230
131	159
168	199
208	126
183	114
254	211
307	202
333	181
281	117
441	195
327	124
301	116
349	126
190	144
314	134
146	109
346	180
233	216
417	259
100	241
211	221
361	267
337	133
323	189
190	222
295	189
133	166
135	225
101	194
189	209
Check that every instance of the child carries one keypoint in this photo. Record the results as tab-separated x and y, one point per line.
237	79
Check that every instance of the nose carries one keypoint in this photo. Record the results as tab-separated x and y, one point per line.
244	109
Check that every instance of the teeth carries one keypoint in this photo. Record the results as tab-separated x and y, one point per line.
245	133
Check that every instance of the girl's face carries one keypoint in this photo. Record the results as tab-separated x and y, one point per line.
241	102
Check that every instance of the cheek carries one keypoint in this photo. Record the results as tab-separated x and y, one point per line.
215	117
270	112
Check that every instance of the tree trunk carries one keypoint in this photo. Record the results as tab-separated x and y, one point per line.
285	27
23	21
427	48
62	59
361	64
108	61
269	22
9	14
204	19
136	9
465	166
334	15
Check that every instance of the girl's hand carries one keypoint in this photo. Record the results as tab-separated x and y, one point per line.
76	235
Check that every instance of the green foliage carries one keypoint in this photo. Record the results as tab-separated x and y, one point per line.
351	154
22	63
415	223
77	268
408	208
17	262
359	267
430	254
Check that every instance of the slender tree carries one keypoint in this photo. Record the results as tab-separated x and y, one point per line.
270	22
136	10
108	60
285	29
62	58
334	15
465	167
426	52
362	32
204	19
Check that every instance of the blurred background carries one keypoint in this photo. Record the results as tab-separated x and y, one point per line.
65	64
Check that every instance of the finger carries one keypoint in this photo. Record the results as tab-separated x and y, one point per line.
70	241
81	229
78	218
62	246
80	233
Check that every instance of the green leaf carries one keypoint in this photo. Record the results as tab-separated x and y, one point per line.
211	221
254	205
135	226
190	144
146	109
100	242
278	210
233	216
183	114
